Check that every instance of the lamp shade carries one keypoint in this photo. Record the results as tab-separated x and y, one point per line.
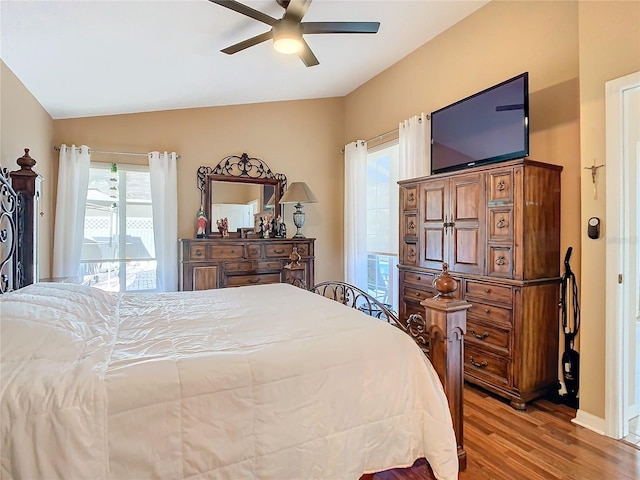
298	192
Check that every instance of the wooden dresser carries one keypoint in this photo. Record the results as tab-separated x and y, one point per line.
498	228
219	263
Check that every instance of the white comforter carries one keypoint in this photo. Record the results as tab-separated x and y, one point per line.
263	382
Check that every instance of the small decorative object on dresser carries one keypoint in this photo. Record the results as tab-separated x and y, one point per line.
201	224
223	226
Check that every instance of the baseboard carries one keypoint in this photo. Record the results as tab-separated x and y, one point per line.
587	420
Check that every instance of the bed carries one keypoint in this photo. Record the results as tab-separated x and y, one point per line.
267	381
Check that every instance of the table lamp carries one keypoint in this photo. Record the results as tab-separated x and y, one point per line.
298	193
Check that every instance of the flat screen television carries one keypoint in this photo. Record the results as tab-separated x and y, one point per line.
489	126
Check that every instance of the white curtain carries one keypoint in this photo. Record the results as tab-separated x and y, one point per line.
71	200
355	214
415	157
164	197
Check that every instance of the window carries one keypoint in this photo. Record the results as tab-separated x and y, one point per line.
382	223
118	251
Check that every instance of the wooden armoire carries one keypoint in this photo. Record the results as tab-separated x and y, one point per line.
498	229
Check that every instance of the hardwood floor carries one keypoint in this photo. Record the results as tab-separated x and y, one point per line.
538	444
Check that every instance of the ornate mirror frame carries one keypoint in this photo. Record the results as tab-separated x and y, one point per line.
241	169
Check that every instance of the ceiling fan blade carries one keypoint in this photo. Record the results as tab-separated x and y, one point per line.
244	10
307	56
340	27
297	9
250	42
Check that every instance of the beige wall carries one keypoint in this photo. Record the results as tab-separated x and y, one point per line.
609	49
301	139
25	124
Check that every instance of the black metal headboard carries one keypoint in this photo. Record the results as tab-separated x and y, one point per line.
9	268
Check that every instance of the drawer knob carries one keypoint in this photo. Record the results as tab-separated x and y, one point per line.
487	290
476	364
486	310
253	280
279	251
479	337
502	223
411	225
501	260
419	277
501	186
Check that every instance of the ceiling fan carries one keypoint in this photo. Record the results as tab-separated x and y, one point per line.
287	32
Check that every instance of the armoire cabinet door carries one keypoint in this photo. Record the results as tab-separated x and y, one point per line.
452	223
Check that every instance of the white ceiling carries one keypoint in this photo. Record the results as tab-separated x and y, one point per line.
86	58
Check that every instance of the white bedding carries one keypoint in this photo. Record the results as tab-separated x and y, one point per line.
262	382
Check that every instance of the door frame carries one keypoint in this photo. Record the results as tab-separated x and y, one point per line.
617	295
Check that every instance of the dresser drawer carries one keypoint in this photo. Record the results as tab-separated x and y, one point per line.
279	250
484	366
490	314
254	251
197	252
238	266
486	291
269	265
226	251
488	337
244	280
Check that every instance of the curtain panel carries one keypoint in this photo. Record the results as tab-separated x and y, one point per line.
71	200
415	158
164	197
355	214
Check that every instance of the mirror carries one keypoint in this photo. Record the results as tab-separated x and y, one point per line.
239	188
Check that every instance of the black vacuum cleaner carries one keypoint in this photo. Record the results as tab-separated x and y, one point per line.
570	311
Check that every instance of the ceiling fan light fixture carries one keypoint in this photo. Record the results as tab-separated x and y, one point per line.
287	37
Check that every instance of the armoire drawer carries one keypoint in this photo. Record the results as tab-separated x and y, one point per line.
488	337
483	365
487	291
419	278
417	294
490	314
